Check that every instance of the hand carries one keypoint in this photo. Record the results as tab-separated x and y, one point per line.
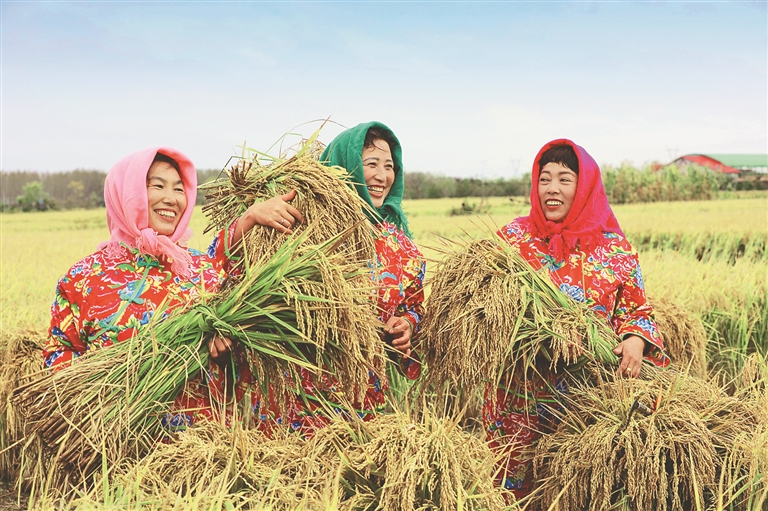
400	330
220	350
631	352
276	213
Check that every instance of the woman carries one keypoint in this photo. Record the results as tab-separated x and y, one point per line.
572	232
372	156
107	296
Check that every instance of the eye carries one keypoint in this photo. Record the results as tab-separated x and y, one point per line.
180	190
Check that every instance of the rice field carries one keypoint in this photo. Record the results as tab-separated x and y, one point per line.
706	257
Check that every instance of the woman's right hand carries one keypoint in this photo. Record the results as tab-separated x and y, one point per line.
220	350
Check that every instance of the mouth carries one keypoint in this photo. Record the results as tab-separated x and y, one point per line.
376	190
553	203
165	214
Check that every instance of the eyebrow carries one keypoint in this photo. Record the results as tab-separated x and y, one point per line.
164	181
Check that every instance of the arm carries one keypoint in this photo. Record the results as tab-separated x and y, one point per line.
64	341
404	325
634	323
276	213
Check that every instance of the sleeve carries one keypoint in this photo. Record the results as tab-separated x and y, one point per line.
412	310
633	315
64	340
218	253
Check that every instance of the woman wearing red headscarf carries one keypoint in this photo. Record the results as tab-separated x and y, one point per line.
104	298
572	232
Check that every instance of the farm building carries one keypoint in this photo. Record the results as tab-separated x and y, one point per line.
749	162
706	161
735	164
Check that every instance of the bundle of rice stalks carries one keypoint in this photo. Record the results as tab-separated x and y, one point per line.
391	464
661	443
325	198
211	463
394	463
491	314
110	401
685	340
20	360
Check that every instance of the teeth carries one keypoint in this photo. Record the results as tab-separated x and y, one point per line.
376	189
166	214
553	203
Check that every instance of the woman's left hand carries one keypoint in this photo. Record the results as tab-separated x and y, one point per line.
276	213
631	352
400	330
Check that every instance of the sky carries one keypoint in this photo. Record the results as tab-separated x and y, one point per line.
471	89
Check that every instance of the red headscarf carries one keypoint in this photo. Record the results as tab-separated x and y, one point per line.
125	195
589	216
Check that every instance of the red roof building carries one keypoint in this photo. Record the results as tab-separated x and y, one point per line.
706	161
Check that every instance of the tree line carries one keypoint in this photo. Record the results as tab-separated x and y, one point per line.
28	191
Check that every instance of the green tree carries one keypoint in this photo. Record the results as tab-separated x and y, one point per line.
33	197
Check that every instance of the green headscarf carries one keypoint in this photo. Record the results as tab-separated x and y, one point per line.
346	151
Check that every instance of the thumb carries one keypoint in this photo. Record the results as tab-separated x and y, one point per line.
288	196
617	350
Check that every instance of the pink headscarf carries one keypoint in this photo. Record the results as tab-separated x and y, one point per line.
589	216
125	195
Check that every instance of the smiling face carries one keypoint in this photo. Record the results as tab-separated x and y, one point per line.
379	171
166	198
557	189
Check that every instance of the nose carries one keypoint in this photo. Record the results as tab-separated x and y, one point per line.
169	197
381	174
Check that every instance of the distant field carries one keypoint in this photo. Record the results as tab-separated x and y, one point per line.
37	248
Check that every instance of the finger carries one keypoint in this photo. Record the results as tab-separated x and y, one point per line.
281	227
402	345
295	213
222	345
288	196
400	326
617	350
212	351
624	365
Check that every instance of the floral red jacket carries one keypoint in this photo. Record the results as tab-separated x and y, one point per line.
607	278
104	298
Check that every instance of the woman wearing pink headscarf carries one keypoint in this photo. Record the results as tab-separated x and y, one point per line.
104	298
572	232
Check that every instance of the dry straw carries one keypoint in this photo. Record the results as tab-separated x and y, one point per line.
682	447
401	464
325	198
491	314
392	463
20	362
111	401
685	340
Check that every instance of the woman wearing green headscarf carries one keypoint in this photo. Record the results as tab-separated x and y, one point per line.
372	156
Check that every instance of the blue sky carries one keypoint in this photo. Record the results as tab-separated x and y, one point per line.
470	88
